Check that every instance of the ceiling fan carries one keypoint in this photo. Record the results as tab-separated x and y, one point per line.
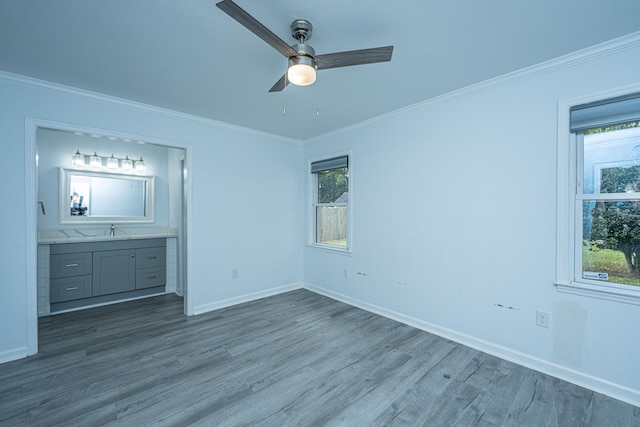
303	61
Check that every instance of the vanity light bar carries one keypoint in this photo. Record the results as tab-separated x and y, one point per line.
95	161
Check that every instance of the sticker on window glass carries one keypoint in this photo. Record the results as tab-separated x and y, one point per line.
595	275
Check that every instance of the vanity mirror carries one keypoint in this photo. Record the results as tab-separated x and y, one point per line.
90	197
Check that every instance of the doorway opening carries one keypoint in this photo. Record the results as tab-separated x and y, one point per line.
47	151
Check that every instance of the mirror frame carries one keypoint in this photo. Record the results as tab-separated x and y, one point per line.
63	199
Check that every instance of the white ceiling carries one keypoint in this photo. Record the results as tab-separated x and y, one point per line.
191	57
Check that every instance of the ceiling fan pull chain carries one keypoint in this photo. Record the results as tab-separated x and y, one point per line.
284	95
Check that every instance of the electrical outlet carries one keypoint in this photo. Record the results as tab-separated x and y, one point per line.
234	274
346	273
543	318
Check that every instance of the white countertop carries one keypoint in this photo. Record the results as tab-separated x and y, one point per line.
48	237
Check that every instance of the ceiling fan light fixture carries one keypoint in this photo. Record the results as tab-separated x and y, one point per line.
302	70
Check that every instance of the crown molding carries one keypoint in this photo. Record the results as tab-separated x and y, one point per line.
630	41
26	81
610	47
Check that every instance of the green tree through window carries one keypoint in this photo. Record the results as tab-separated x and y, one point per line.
332	185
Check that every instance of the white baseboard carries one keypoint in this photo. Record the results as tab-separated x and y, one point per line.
581	379
205	308
13	354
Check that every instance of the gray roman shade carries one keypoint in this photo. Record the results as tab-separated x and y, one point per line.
605	113
328	164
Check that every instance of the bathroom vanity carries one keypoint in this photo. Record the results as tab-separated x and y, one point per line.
90	273
83	271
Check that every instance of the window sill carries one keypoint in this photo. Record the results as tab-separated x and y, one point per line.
605	292
330	249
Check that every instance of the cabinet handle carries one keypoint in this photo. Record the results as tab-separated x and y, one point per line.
151	277
71	265
71	289
152	257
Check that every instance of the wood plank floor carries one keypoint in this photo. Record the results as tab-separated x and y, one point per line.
295	359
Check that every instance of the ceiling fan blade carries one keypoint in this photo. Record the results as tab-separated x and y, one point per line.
280	84
252	24
354	57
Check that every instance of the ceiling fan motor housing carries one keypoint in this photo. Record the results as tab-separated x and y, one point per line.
304	50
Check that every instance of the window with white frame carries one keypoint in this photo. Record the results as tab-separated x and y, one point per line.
330	202
604	200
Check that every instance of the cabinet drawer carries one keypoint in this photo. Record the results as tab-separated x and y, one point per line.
70	288
150	277
68	265
151	257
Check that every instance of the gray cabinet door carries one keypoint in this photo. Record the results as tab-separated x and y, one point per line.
114	271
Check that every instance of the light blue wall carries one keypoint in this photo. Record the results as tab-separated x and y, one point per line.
454	225
245	210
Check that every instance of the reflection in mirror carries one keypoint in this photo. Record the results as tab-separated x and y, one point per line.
96	197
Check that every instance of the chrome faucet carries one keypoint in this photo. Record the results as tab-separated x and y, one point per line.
112	231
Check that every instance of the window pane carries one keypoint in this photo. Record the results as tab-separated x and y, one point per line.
611	241
612	160
331	225
333	186
623	179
